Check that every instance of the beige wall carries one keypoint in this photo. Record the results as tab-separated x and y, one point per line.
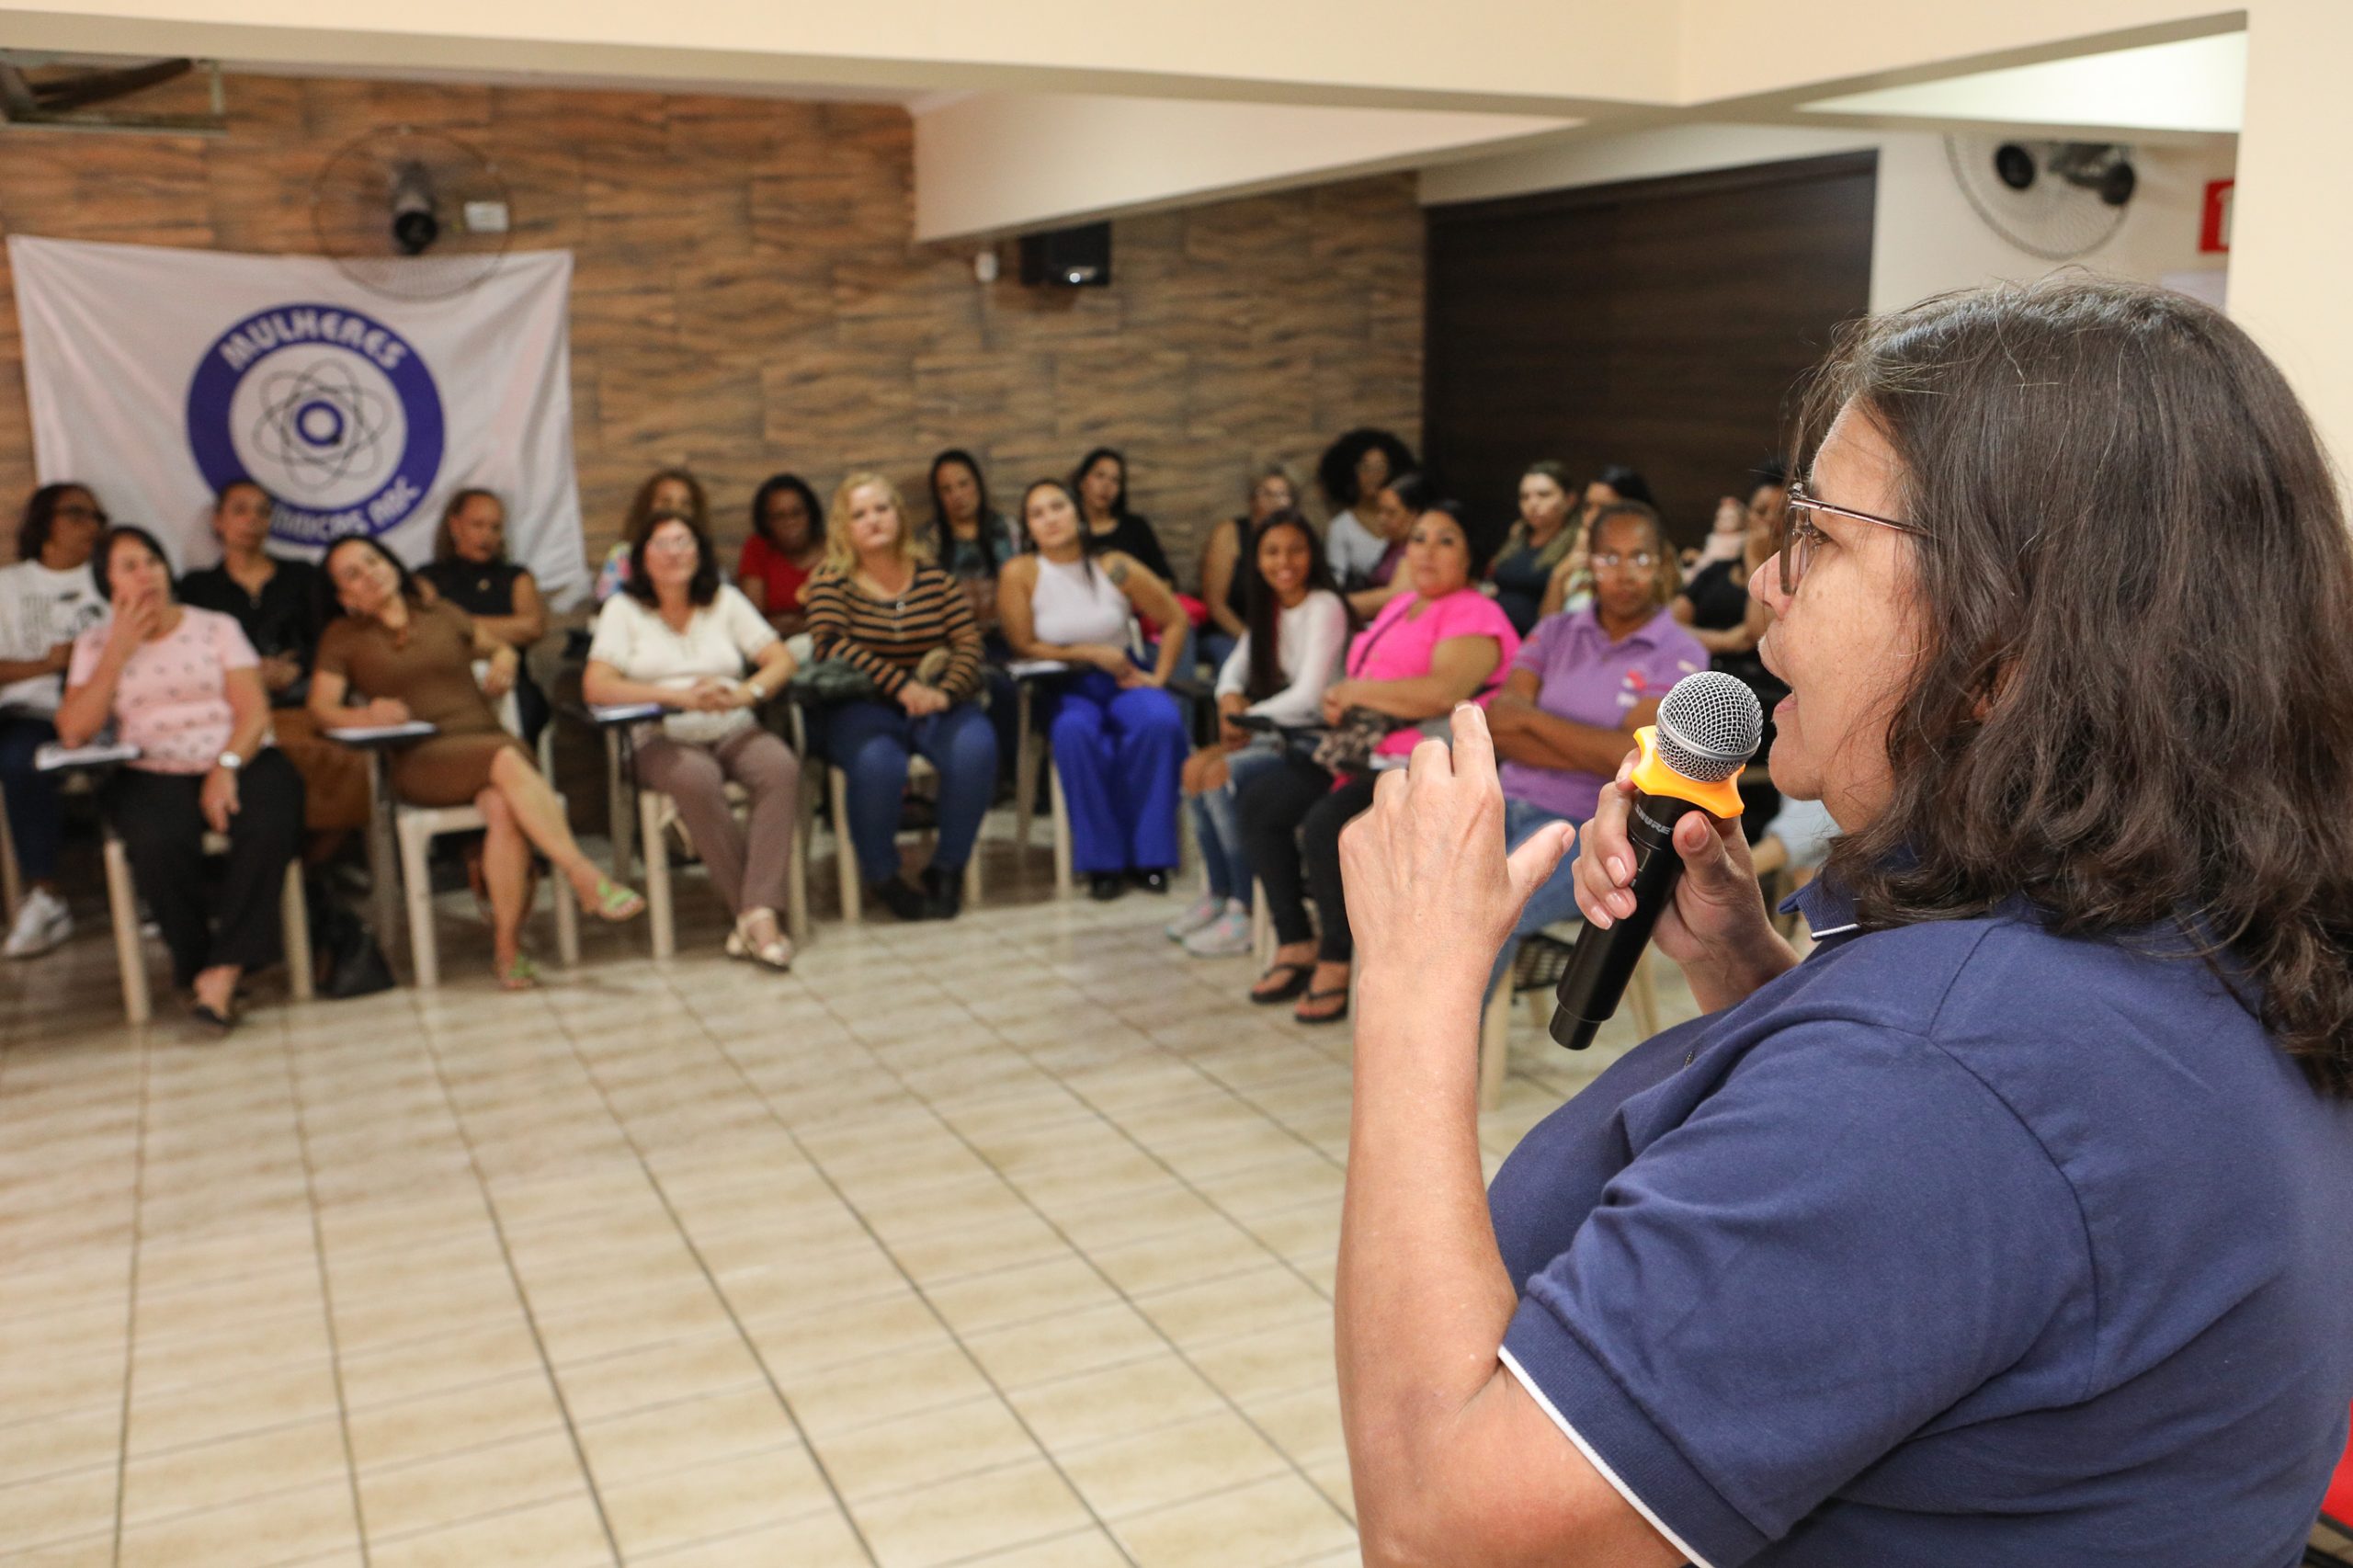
748	295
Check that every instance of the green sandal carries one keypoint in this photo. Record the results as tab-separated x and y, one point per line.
614	902
522	974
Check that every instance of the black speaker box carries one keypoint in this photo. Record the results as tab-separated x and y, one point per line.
1068	259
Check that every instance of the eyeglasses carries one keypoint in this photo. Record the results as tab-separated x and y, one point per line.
1801	533
80	509
1640	561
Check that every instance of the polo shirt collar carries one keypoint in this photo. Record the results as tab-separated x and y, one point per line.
1829	911
1647	635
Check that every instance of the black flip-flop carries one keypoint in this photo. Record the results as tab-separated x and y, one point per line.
1324	1017
213	1022
1300	973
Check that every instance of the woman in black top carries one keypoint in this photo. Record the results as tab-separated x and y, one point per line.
1101	481
1226	566
1715	605
1544	536
470	569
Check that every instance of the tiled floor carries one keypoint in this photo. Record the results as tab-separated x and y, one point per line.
1008	1241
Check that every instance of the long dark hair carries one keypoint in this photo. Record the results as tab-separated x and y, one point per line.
1628	484
2134	701
1336	470
640	505
1263	612
1078	477
408	589
799	486
40	515
701	589
994	532
1090	543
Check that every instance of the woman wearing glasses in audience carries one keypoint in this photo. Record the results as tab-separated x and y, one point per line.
1571	583
1439	642
787	543
1543	536
1290	653
184	686
1226	562
414	660
48	597
1352	470
1580	688
672	491
2007	1225
879	607
678	636
1119	737
470	570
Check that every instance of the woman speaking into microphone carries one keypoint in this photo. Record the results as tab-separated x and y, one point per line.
2007	1227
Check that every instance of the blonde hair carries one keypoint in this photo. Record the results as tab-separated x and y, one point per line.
841	556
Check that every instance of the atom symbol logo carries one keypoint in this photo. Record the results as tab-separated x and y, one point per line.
320	424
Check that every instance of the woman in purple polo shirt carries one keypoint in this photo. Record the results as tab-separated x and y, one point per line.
1585	681
2009	1226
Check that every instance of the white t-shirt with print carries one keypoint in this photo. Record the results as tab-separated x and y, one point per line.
41	607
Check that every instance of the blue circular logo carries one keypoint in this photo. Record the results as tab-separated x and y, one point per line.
329	410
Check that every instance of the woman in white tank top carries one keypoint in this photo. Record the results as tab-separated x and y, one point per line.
1119	737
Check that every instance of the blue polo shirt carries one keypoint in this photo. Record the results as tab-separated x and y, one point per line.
1960	1244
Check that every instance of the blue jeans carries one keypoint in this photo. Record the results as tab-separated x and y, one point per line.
1216	646
871	742
1120	754
36	821
1555	901
1218	823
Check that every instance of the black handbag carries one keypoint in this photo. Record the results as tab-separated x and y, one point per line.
349	962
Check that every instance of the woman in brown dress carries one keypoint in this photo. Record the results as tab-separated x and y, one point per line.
414	660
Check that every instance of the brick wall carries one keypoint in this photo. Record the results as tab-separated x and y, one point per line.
747	296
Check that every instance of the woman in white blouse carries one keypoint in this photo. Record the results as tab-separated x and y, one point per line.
1297	632
678	636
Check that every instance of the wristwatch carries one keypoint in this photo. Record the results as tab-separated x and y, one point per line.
759	693
229	760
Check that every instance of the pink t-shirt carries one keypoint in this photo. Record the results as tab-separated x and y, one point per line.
1398	646
172	701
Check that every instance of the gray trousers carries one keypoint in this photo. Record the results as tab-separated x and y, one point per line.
748	862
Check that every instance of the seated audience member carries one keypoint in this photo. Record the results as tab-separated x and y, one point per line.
1100	483
1716	608
1393	510
1440	643
879	607
282	608
1119	737
786	544
1226	562
470	569
678	636
1580	688
1544	536
412	660
972	540
1290	653
1352	470
184	686
48	597
1571	583
671	491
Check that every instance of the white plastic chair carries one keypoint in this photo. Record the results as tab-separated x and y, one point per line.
415	828
1495	1021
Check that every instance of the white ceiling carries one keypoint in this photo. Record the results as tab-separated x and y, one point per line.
2197	85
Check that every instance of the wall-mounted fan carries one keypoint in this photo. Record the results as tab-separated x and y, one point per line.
2054	199
411	214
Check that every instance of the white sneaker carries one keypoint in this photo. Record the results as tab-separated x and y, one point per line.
1226	937
1198	914
42	922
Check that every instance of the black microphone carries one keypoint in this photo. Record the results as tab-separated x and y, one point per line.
1708	728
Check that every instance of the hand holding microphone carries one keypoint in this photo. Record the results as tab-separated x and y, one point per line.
1678	872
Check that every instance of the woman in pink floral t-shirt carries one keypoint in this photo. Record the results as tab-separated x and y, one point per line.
184	686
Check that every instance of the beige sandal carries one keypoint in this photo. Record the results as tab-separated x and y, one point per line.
776	952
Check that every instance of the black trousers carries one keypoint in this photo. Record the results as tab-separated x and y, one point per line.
161	822
1292	818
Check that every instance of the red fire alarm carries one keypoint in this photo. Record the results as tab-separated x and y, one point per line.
2214	228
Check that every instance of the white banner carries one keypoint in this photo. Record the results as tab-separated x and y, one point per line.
157	376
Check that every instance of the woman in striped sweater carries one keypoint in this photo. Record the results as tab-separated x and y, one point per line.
878	604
